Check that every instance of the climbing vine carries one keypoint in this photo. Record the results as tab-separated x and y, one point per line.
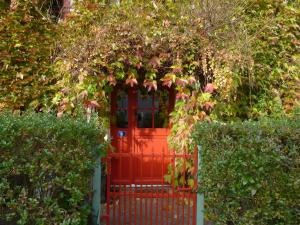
217	75
227	60
153	47
27	41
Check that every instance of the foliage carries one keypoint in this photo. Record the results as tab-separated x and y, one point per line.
27	42
265	80
227	59
250	171
218	55
159	45
46	166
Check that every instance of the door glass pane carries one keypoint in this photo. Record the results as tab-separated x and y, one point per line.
161	119
122	100
146	107
144	118
122	109
161	99
122	118
144	99
161	103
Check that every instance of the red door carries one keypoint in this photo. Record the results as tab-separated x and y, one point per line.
139	130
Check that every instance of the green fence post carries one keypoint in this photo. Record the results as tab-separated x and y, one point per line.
96	192
200	196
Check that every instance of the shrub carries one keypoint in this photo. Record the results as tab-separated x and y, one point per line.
46	167
250	171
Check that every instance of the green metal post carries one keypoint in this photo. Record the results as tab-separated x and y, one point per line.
96	193
200	196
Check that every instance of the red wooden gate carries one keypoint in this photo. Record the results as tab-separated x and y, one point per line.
147	183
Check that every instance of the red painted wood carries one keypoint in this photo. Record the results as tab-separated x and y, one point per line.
136	190
138	166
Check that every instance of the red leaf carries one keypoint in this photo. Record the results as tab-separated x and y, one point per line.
139	54
150	84
202	115
155	62
182	95
112	80
208	105
181	82
167	83
177	70
65	90
131	82
60	114
83	94
166	23
92	104
192	80
168	79
210	88
139	65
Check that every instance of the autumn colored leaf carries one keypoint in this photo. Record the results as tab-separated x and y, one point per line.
208	105
154	62
176	69
181	82
83	94
182	96
92	104
202	115
150	85
210	88
111	80
168	79
192	80
60	114
131	82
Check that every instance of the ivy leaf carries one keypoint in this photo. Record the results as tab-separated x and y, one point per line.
176	69
20	75
150	76
168	79
210	88
182	96
131	82
150	85
192	80
120	74
92	104
111	80
208	106
181	82
155	62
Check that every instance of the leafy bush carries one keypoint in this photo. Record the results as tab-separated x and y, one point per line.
46	167
250	171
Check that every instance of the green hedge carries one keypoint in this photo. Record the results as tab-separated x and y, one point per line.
46	168
251	171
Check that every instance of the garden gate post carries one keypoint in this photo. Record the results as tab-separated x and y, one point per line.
200	196
96	192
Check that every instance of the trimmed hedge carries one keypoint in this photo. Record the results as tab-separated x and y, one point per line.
46	166
251	171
